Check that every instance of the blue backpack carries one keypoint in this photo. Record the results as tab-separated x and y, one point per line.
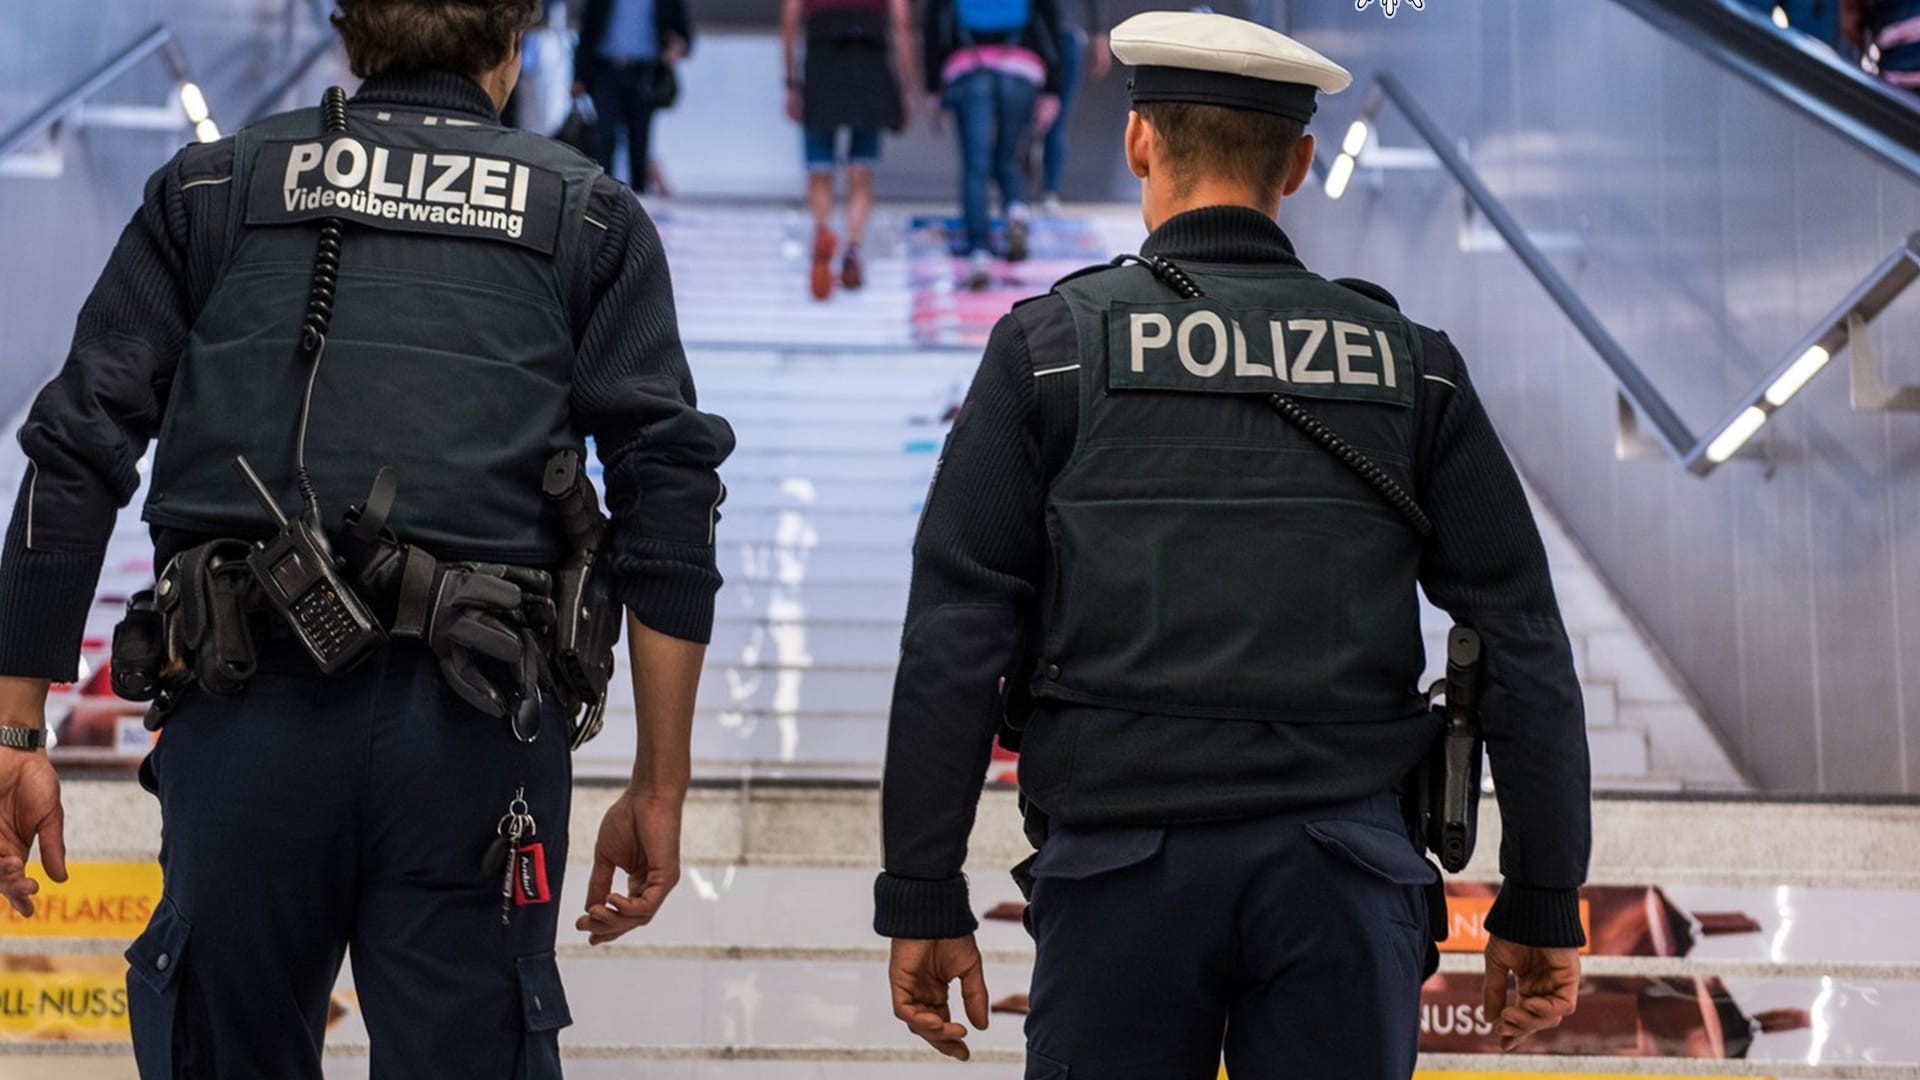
992	16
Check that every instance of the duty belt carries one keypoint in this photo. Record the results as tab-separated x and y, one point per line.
492	626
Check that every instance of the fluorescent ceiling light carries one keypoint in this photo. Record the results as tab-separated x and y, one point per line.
206	131
1779	16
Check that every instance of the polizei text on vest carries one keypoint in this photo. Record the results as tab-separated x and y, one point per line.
407	185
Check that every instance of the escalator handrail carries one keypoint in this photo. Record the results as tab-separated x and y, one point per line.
1798	71
1668	427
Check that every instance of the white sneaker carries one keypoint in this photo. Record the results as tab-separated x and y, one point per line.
1050	206
979	270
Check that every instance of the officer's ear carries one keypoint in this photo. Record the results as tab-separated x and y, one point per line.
1299	167
1139	145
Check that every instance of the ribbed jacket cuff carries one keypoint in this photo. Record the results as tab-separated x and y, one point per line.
922	910
1542	918
44	597
671	595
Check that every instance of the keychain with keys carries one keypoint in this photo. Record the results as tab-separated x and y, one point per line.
518	858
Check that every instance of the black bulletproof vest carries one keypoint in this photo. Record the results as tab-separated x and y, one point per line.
1207	559
450	356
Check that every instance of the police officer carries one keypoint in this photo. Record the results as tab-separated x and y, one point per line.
487	300
1207	625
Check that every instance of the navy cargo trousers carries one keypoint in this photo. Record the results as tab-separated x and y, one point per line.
307	818
1296	942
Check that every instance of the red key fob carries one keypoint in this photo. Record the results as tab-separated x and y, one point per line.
530	875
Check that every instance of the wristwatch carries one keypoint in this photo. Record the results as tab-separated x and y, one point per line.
22	738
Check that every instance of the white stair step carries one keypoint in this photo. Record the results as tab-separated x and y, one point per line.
1683	747
792	643
1619	655
749	461
1617	752
902	497
751	601
795	690
1602	707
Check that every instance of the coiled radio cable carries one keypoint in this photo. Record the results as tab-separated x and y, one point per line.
313	331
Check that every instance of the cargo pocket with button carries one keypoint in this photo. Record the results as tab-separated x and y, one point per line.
543	1004
155	961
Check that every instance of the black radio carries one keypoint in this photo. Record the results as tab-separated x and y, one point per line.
302	583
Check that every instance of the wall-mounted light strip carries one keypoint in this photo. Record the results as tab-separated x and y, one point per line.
1811	356
1340	173
1356	139
1796	376
1735	435
195	104
193	101
1339	176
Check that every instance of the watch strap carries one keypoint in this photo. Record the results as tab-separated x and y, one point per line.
22	738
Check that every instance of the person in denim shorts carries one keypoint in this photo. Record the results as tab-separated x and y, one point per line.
853	78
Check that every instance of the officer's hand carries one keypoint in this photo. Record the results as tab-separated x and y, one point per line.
796	105
29	801
641	835
1548	981
920	973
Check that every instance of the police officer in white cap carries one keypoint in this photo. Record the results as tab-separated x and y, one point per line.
1173	552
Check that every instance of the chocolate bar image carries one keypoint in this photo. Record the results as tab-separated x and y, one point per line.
1010	911
1621	920
1619	1016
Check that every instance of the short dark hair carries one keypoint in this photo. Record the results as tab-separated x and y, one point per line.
1246	146
461	36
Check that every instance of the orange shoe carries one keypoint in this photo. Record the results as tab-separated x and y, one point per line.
853	273
822	278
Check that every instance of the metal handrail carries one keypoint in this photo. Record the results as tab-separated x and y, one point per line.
1841	327
1671	430
155	39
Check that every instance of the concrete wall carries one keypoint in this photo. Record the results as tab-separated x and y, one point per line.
1718	224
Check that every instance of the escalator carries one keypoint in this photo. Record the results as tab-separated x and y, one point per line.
1807	64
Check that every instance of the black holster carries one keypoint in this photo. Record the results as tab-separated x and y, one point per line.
196	626
587	611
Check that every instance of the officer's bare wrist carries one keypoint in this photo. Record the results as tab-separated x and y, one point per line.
23	702
672	791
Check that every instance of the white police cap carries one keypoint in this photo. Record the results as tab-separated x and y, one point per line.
1214	59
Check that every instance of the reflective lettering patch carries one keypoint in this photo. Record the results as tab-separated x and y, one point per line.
1200	345
390	187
